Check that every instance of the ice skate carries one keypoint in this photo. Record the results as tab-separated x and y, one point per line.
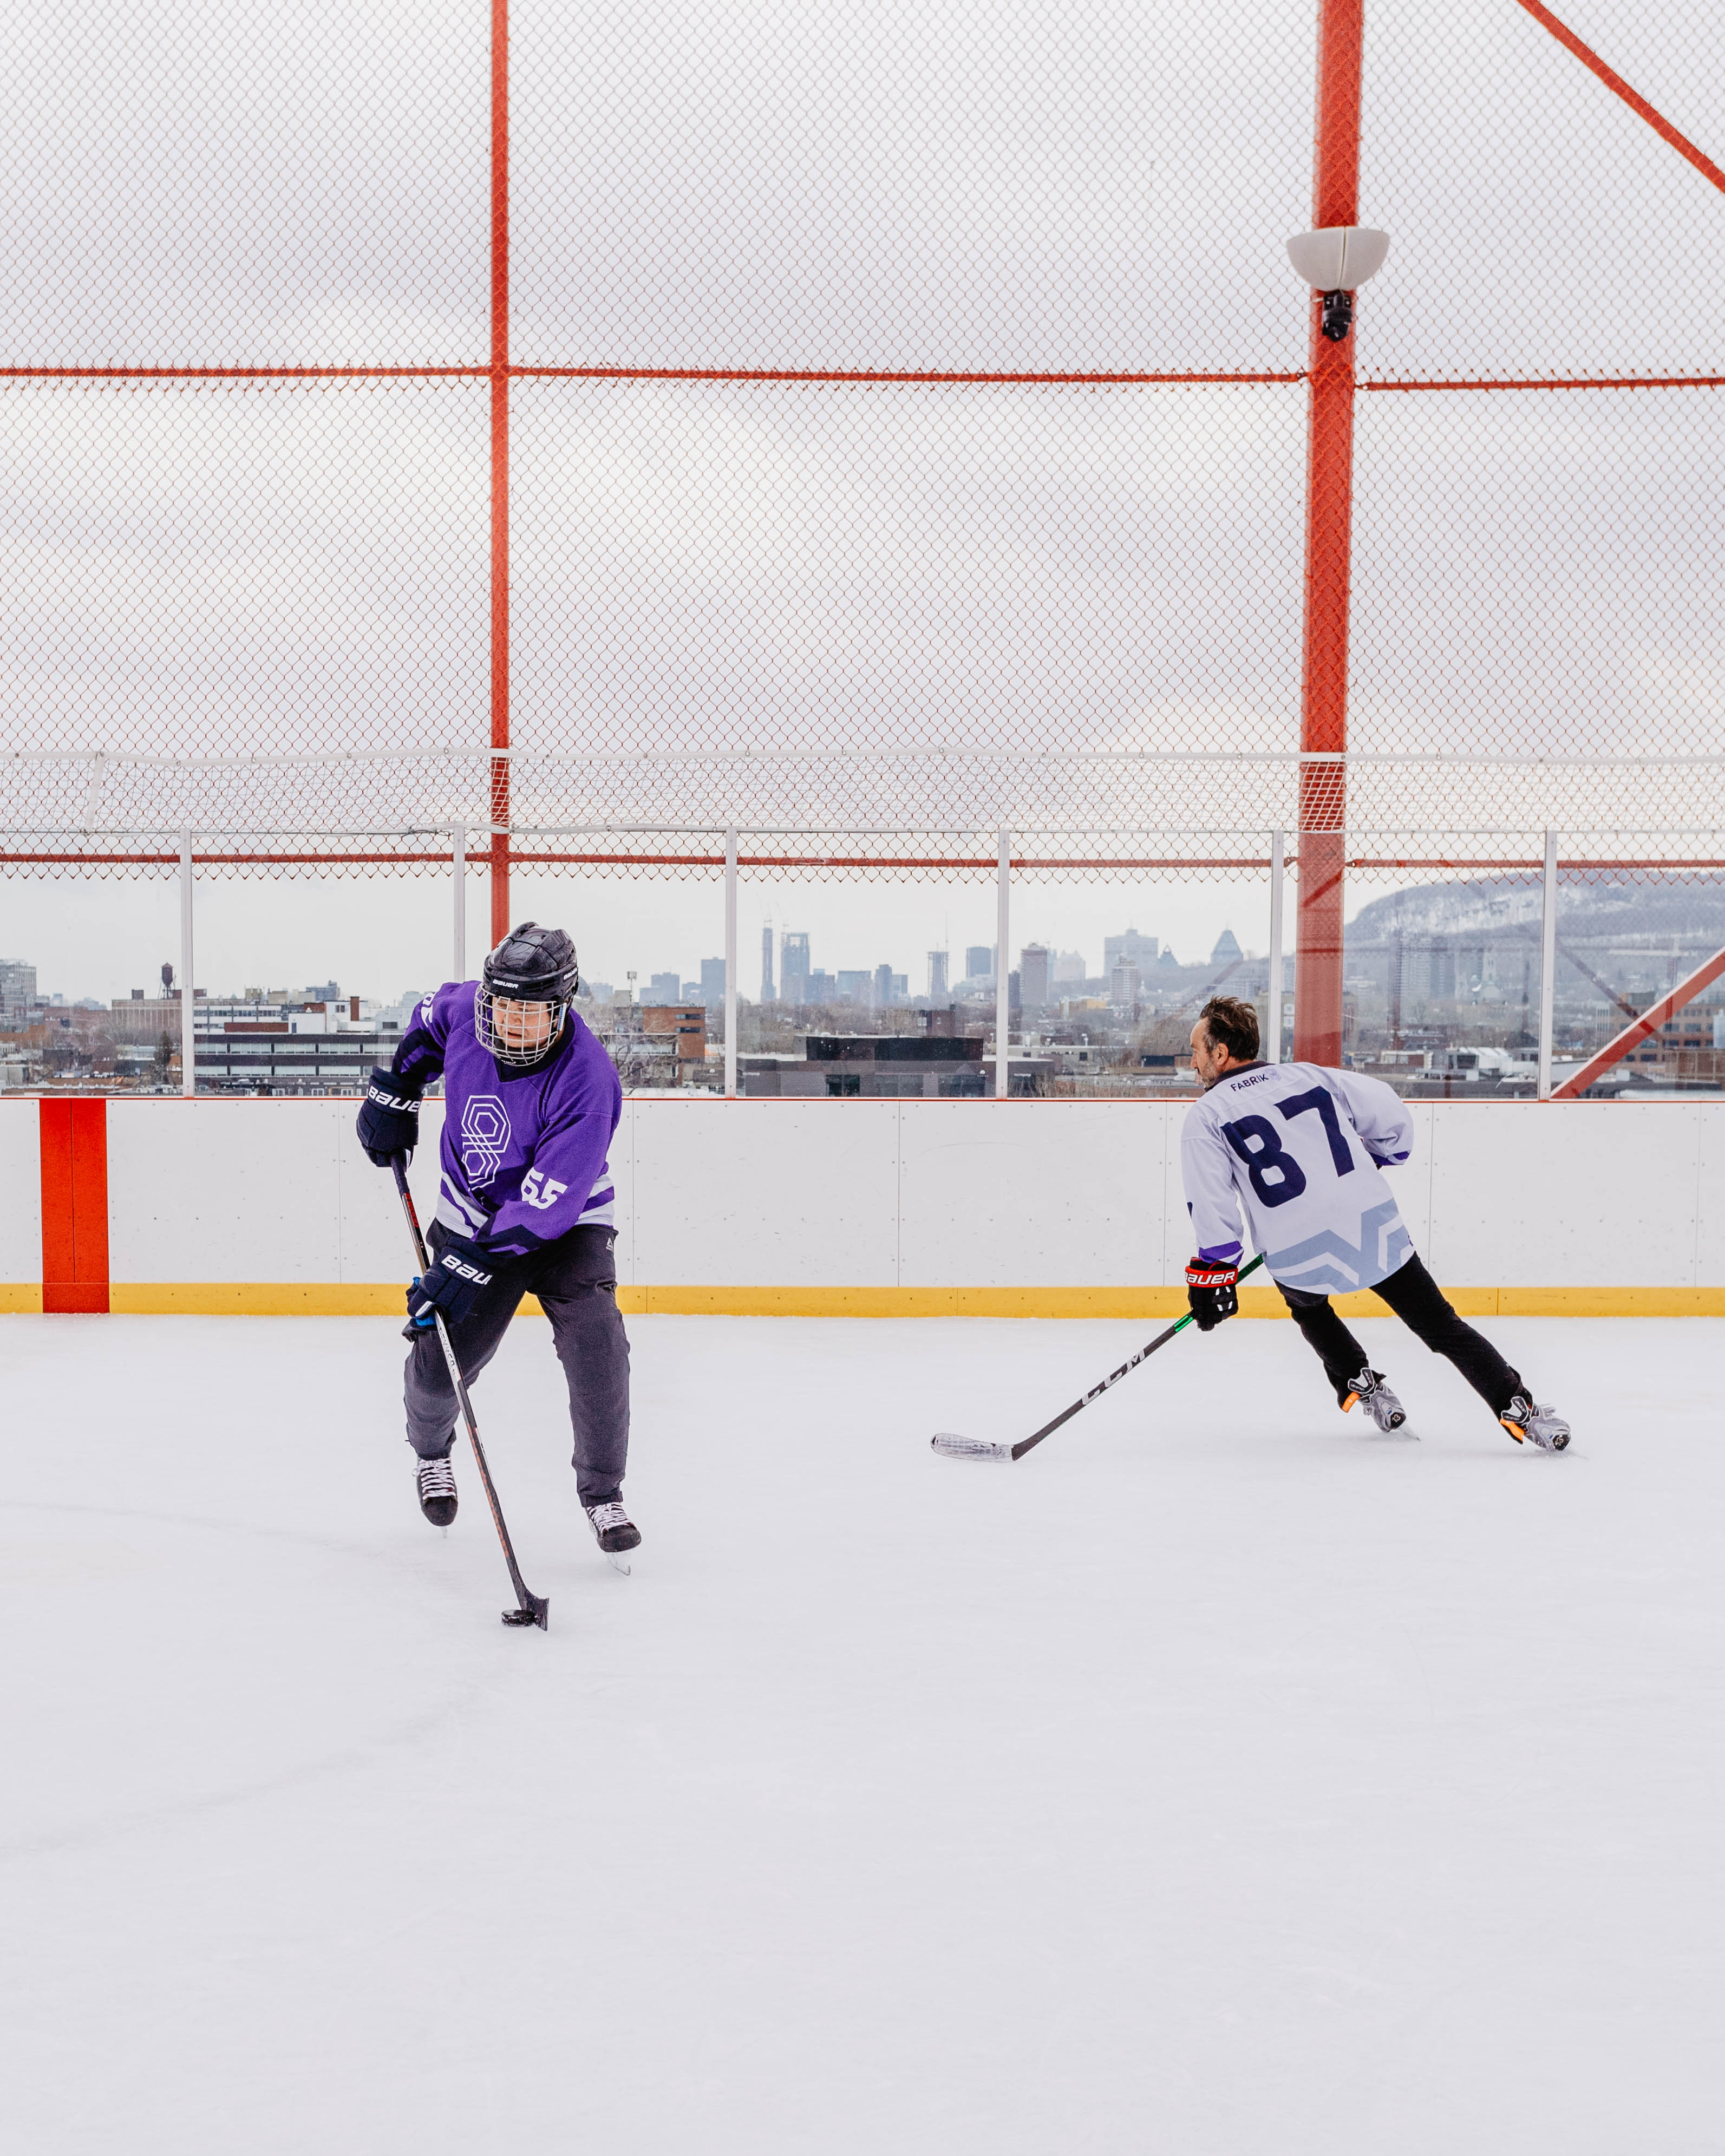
1528	1424
1378	1401
436	1479
617	1533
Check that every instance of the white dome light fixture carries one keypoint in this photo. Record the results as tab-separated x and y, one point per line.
1336	261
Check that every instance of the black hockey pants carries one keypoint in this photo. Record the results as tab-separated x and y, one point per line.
575	1278
1420	1302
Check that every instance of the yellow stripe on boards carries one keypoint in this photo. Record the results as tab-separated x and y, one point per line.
384	1299
256	1299
268	1299
20	1298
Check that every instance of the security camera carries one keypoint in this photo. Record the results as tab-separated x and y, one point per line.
1336	261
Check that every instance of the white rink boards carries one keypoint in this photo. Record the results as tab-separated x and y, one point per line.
885	1208
1221	1779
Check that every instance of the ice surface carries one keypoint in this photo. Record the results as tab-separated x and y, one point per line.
1223	1778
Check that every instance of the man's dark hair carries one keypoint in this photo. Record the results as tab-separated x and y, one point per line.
1233	1025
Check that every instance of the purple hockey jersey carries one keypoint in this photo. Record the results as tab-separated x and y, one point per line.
524	1153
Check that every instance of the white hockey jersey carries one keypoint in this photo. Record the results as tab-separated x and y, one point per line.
1301	1145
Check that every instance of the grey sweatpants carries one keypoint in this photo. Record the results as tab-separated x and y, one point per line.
575	1278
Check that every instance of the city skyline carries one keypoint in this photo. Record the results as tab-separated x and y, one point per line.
88	937
789	977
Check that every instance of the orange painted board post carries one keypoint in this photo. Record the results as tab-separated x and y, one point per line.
73	1143
499	371
1329	534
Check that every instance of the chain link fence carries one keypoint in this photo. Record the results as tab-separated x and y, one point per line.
585	431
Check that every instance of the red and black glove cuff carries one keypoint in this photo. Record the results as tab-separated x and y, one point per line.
1211	1291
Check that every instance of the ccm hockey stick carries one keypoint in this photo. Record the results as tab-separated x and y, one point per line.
952	1447
533	1609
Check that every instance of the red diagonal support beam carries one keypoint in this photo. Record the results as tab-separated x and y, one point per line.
1618	87
1643	1028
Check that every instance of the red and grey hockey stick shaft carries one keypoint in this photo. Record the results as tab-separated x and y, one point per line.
952	1447
533	1609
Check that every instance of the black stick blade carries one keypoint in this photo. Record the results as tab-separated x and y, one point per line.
950	1446
538	1612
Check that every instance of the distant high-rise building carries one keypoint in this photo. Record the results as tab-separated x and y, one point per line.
17	988
1070	966
856	984
766	995
664	989
712	983
937	976
1035	962
1125	984
818	987
883	988
978	962
1227	951
1139	951
794	966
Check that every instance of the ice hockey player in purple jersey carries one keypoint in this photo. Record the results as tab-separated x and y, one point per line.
525	1206
1302	1148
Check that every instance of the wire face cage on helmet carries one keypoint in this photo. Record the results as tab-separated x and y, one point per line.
524	994
515	1029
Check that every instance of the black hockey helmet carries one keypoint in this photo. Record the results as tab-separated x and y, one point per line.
532	966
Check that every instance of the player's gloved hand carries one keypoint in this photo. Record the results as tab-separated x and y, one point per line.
460	1273
1212	1292
388	1120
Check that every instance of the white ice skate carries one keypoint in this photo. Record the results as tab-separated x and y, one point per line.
436	1479
617	1533
1528	1424
1370	1391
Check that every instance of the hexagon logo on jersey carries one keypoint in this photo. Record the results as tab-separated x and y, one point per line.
485	1135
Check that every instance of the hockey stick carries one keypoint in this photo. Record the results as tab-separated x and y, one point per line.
534	1608
952	1447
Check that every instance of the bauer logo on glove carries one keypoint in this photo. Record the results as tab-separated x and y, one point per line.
459	1275
388	1120
1212	1290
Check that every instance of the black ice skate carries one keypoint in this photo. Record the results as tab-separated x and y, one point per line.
1528	1424
616	1532
437	1491
1371	1392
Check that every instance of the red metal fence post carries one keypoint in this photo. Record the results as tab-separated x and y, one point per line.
499	372
1329	525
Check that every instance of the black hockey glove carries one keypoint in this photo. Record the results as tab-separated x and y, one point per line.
460	1273
388	1120
1211	1291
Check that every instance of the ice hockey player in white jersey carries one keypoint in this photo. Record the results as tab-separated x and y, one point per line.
1302	1149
